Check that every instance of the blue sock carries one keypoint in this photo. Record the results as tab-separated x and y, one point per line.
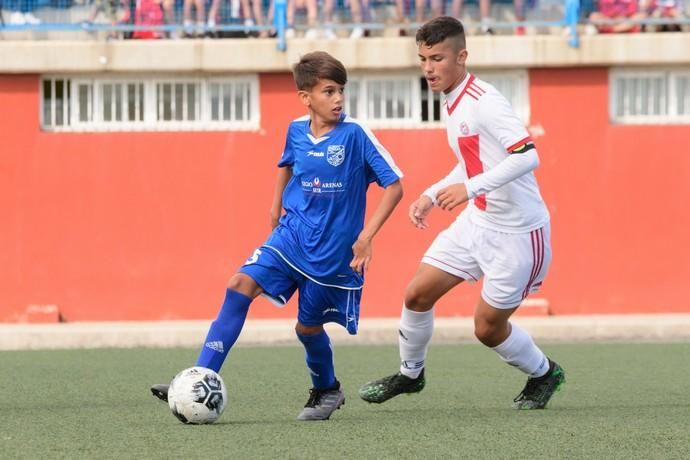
224	330
319	359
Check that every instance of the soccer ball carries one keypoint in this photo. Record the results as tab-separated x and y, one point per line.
197	395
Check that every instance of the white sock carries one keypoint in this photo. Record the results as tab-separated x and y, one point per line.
414	336
519	351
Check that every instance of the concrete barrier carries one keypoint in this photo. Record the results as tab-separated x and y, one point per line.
163	334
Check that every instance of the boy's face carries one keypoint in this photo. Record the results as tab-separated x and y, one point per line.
325	100
442	64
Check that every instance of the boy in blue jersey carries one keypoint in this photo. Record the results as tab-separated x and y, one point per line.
320	246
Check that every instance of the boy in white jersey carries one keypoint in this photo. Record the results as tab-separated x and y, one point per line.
320	244
502	235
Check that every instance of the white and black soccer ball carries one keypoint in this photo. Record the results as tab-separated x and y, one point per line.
197	395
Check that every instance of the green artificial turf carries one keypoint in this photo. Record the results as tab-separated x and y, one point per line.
620	401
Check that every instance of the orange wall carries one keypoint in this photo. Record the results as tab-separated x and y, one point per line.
116	226
617	195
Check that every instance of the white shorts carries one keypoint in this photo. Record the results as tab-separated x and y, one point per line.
513	264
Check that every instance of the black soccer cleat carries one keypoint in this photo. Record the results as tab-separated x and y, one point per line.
160	391
322	403
382	390
538	391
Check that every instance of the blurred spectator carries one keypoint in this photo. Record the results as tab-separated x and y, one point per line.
253	13
586	8
420	6
400	15
616	10
199	7
310	6
661	9
485	14
148	13
169	11
22	12
111	11
359	11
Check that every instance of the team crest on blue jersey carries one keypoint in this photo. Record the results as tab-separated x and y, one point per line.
335	154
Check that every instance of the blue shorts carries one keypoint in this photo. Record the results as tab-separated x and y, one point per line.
317	304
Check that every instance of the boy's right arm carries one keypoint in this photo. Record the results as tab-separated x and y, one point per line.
425	203
284	176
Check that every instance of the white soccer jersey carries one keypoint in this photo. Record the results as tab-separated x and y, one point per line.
484	132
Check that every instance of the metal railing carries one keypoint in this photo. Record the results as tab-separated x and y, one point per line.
231	22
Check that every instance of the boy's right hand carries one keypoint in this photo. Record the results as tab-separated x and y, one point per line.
419	210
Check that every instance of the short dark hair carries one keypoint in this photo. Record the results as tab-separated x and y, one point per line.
315	66
439	29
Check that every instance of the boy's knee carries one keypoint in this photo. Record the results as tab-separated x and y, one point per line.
417	297
483	331
244	285
490	333
302	329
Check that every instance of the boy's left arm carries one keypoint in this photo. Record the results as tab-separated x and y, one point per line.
499	120
362	247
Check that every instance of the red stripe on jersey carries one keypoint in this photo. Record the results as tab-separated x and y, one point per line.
473	93
519	143
462	93
469	149
478	88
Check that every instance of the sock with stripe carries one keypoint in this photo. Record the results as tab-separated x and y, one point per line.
519	350
319	357
224	330
414	335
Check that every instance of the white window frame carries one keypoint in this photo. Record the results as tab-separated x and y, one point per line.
364	104
615	77
671	77
676	75
253	122
520	101
75	122
158	103
149	122
66	114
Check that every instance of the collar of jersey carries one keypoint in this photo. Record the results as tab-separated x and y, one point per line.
457	93
317	140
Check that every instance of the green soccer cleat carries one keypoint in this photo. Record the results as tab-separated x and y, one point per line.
538	391
382	390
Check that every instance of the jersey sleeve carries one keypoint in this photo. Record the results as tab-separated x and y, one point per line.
498	119
456	176
380	165
288	157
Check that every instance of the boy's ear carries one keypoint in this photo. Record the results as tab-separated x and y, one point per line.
304	97
462	56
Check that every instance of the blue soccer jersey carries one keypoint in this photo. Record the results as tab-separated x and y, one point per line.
325	200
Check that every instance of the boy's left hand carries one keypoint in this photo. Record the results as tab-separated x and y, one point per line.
362	255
